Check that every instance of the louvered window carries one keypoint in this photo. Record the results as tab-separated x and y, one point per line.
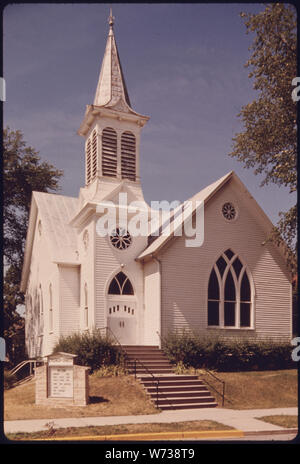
109	152
128	156
94	154
88	162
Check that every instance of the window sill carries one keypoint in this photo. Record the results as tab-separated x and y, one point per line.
214	327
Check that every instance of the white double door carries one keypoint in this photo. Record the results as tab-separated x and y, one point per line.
122	319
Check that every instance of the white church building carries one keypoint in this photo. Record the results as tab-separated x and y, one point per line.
142	287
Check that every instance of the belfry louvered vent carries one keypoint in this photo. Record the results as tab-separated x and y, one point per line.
94	154
109	152
88	162
128	147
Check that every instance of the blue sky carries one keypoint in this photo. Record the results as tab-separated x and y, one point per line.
183	66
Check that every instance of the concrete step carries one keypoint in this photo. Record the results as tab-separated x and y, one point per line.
178	389
168	378
188	400
148	362
154	371
188	406
186	394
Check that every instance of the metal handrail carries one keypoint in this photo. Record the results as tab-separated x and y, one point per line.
140	362
23	364
155	378
213	375
122	349
219	380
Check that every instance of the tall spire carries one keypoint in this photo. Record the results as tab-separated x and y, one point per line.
111	89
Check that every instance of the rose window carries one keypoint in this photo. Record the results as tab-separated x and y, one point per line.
120	238
228	211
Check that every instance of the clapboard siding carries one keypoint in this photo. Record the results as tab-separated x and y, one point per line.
69	299
108	262
152	303
185	271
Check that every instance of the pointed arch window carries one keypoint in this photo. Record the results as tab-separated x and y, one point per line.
109	152
50	309
128	156
120	285
86	306
230	298
40	312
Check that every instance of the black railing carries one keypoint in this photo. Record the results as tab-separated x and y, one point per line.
213	375
127	361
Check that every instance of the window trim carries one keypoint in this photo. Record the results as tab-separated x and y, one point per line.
237	283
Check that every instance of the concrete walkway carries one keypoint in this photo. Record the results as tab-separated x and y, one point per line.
244	420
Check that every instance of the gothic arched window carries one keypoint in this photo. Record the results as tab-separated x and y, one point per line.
128	161
50	309
230	301
120	285
86	306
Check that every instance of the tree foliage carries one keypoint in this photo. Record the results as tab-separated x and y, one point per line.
23	172
268	142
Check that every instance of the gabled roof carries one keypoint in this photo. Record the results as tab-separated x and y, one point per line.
55	212
205	195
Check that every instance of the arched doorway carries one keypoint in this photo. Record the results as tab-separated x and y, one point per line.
121	309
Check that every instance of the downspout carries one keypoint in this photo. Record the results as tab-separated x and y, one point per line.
160	293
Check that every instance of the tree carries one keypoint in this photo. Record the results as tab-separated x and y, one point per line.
23	172
268	142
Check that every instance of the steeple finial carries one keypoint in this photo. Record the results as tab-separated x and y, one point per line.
111	19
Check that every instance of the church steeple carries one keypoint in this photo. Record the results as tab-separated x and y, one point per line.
111	87
110	126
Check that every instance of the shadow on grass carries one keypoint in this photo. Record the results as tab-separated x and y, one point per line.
97	399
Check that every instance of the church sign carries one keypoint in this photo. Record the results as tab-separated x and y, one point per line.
60	375
61	382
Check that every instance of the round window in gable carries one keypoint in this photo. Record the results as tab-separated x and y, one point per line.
229	211
120	238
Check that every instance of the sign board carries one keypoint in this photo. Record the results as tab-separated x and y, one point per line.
60	375
60	361
61	381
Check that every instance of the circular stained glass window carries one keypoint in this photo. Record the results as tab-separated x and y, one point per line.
228	211
120	238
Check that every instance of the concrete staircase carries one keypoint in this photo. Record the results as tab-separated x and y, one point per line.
167	390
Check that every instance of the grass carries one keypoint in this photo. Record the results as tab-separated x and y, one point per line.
204	425
257	389
109	396
289	422
122	396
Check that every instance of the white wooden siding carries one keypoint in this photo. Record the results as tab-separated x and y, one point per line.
108	261
185	272
152	323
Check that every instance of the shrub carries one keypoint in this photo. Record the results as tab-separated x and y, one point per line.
92	349
195	350
113	370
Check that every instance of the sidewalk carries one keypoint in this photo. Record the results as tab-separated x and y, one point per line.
242	420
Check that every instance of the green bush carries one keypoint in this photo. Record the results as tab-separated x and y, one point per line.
92	349
212	352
